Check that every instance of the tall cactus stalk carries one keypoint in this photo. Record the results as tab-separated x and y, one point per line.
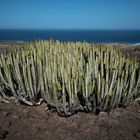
69	76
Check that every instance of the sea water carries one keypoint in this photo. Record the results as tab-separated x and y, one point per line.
97	36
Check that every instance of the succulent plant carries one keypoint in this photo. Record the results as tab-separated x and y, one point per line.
69	76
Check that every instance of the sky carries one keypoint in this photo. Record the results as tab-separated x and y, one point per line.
70	14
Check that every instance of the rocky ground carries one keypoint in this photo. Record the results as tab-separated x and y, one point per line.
6	44
21	122
129	49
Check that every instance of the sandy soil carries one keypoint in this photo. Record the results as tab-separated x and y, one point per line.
21	122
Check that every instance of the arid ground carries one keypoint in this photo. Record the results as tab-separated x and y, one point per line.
21	122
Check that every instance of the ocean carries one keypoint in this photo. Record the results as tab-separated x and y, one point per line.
96	36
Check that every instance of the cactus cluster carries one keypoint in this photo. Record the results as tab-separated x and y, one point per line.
69	76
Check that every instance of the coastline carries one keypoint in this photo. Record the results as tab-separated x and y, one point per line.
6	44
128	48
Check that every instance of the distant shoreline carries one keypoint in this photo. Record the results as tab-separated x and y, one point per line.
128	48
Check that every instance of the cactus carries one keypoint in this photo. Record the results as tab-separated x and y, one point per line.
69	76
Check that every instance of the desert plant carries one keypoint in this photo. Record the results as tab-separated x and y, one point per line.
69	76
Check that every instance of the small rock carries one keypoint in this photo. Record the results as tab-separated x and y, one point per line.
103	115
138	130
5	114
6	125
136	135
3	133
116	113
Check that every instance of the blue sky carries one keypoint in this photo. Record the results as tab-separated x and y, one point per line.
69	14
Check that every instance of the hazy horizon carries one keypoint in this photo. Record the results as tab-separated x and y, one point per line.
72	29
